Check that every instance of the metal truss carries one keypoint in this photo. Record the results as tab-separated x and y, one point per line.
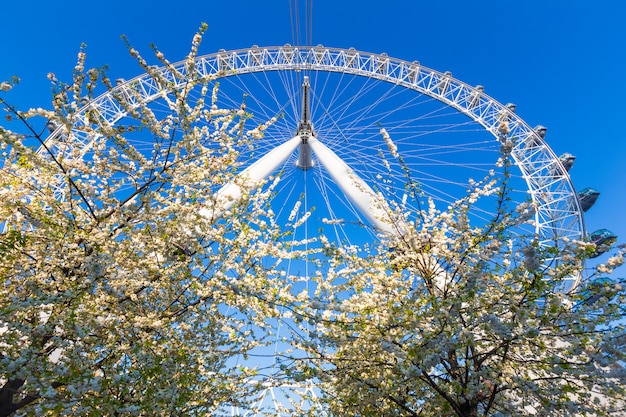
558	215
558	212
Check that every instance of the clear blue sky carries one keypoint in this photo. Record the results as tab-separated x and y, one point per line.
562	62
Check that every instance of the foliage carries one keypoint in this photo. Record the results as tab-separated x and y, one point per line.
119	294
453	319
128	289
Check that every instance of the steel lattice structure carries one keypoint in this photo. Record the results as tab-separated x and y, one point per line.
558	216
558	212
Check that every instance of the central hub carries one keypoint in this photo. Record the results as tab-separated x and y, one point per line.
305	130
305	159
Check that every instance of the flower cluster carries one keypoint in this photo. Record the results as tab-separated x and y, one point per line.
449	317
120	295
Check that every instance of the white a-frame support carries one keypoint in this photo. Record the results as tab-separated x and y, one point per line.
372	206
361	195
251	177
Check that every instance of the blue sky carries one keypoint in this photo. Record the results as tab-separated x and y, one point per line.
562	62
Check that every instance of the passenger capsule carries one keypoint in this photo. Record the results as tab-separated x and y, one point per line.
603	239
567	159
587	197
541	131
597	288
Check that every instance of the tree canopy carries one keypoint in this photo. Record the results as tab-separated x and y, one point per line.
121	294
128	288
448	318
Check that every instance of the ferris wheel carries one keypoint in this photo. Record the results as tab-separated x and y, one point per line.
329	108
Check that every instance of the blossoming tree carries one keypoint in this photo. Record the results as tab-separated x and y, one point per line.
450	318
126	289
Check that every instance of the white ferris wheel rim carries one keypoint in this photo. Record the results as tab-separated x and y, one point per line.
558	213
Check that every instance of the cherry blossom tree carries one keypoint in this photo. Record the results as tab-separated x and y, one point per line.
451	318
126	289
